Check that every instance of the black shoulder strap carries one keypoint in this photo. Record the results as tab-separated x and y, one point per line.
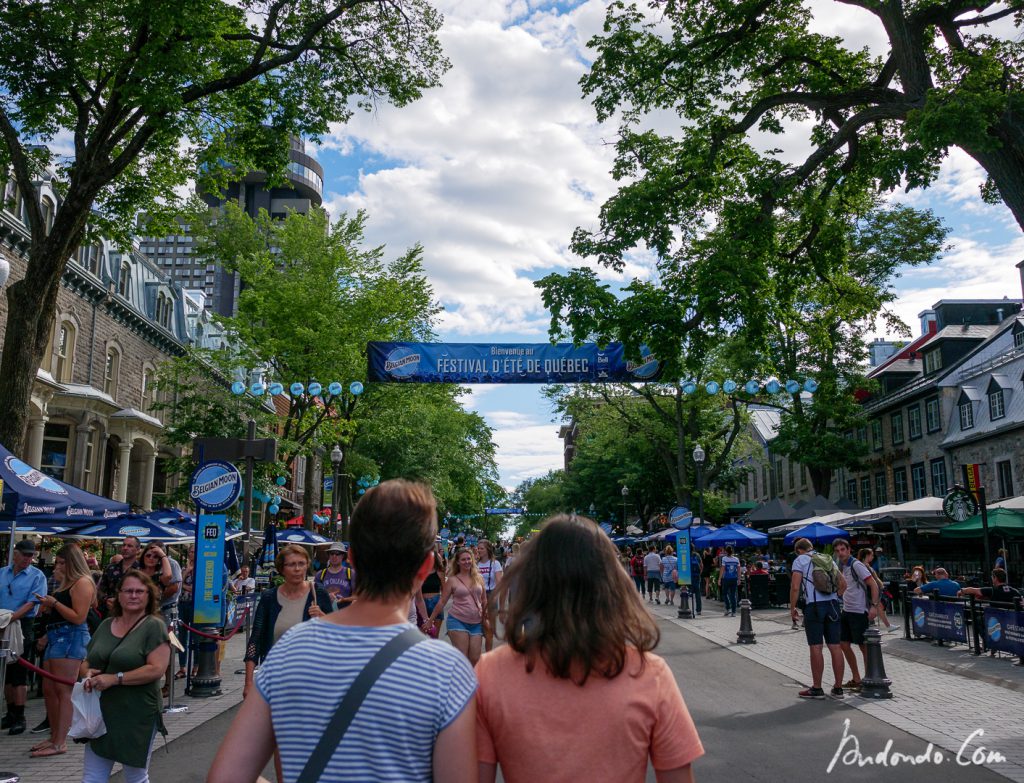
353	699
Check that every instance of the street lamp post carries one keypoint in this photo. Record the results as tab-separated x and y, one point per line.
685	613
336	456
625	494
593	510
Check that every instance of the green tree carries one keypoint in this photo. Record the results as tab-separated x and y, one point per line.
150	93
729	68
542	495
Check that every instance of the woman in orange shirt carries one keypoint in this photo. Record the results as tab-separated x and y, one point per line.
579	636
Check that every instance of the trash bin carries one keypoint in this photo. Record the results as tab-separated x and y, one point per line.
759	595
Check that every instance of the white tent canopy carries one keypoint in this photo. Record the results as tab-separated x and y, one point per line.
789	527
1015	504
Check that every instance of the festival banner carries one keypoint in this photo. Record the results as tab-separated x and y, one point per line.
683	557
396	362
209	577
1004	631
939	619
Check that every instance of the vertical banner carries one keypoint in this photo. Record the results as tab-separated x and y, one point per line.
683	557
209	577
972	477
328	498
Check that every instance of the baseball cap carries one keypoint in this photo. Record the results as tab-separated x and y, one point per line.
878	549
337	546
26	546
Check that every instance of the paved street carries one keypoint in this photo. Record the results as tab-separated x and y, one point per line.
743	699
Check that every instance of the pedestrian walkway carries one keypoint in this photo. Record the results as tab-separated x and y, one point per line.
67	768
941	695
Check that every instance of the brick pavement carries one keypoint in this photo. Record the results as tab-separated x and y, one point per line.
941	695
68	767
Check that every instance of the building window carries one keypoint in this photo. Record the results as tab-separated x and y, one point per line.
1018	335
851	490
88	257
917	480
753	475
914	421
939	483
996	408
778	478
110	372
87	464
896	422
1004	471
803	477
791	463
932	414
933	361
966	415
881	491
865	492
876	434
55	450
764	481
124	281
899	484
48	211
64	360
862	434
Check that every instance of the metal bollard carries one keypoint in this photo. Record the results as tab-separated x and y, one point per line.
746	632
684	612
874	683
171	707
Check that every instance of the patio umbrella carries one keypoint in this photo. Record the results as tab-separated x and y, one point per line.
37	528
1001	521
301	536
131	525
699	531
32	496
816	532
735	536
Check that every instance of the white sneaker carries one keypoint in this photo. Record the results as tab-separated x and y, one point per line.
891	629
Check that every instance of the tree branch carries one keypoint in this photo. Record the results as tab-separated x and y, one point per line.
22	174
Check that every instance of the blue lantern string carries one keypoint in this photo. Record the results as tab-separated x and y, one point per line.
296	389
356	388
810	385
334	389
772	387
729	386
238	388
711	387
315	389
276	388
752	387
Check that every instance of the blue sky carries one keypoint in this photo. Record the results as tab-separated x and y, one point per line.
493	171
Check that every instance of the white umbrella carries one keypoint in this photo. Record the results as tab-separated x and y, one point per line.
1015	504
789	527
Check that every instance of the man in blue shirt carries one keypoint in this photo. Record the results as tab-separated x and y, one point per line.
20	584
942	585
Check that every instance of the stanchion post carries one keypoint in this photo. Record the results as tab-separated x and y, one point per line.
171	707
976	620
907	612
874	683
746	633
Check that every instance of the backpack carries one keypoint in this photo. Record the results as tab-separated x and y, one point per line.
824	574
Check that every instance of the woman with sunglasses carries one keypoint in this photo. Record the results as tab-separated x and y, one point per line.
468	614
126	660
579	637
66	639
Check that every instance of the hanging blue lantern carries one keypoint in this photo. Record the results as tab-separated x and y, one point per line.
238	388
280	481
256	389
752	387
315	389
276	501
334	389
276	388
273	509
792	386
810	385
362	491
689	387
296	389
773	386
712	387
356	388
729	386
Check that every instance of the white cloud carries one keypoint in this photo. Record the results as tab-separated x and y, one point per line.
527	451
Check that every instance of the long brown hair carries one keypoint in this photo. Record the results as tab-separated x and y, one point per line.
572	605
75	565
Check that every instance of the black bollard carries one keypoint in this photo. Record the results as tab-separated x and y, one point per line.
207	681
684	612
874	683
746	632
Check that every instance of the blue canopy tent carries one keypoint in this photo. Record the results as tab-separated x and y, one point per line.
136	525
816	533
298	535
30	496
699	531
735	535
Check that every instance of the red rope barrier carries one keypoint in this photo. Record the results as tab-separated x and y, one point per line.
217	637
48	675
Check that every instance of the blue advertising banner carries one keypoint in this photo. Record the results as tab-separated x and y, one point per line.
507	363
939	619
683	557
1004	630
680	518
209	578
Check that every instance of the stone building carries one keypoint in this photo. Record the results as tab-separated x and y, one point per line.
118	318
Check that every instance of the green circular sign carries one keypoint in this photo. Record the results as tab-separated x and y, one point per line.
959	505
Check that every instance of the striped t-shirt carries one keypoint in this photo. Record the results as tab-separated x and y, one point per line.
392	736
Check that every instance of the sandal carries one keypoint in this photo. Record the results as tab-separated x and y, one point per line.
180	674
53	750
41	745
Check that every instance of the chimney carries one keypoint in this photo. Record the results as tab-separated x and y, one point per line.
929	321
999	315
1020	266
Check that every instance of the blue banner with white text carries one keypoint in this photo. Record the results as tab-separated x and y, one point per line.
683	557
939	619
508	363
1004	631
208	588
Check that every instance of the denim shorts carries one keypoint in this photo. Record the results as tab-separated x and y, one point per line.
473	629
668	584
67	641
